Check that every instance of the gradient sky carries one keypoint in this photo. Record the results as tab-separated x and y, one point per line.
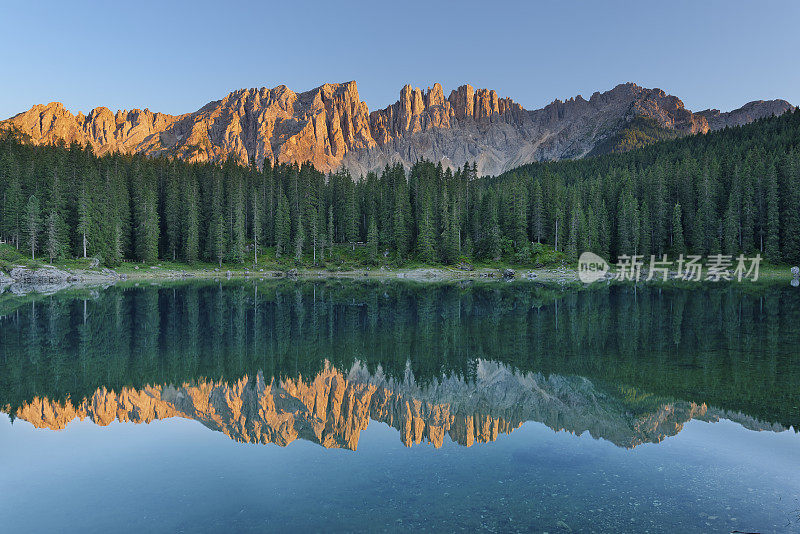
175	57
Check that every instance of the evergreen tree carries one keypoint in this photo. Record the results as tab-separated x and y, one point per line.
400	223
237	213
537	212
256	221
732	190
330	229
217	239
32	224
772	248
55	239
791	211
191	222
628	228
84	220
645	231
372	241
282	225
748	216
678	245
12	208
299	242
427	231
172	215
145	216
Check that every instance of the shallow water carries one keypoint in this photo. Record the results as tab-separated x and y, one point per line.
262	406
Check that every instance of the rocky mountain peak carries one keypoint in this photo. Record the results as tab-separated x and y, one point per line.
331	127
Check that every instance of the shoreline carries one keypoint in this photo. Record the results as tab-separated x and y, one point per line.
49	279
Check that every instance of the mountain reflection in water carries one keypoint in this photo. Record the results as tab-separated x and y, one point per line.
334	407
274	362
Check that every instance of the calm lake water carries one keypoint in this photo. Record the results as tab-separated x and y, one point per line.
341	406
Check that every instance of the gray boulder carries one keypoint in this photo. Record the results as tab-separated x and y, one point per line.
45	275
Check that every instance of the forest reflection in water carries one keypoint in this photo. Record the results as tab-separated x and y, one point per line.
271	362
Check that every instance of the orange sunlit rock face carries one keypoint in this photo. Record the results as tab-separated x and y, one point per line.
333	408
331	127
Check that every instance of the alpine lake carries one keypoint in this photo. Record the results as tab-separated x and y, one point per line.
286	406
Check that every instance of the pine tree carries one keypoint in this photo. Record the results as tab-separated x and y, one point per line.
53	243
748	215
603	231
733	219
330	230
55	238
450	242
218	239
678	246
172	215
372	240
256	221
12	207
628	228
791	211
537	209
574	228
84	220
426	238
492	247
299	242
519	220
645	231
351	213
32	224
145	214
400	223
772	249
191	223
282	225
237	213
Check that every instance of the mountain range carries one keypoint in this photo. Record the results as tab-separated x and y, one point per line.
332	128
333	407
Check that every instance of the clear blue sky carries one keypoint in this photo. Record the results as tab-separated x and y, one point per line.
176	56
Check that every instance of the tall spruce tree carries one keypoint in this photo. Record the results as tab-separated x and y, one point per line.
772	246
282	225
32	222
678	245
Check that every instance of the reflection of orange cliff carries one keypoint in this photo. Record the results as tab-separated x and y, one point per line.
332	408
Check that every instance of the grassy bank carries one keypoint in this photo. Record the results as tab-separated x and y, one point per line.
344	261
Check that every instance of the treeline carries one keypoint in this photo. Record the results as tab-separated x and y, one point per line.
60	202
737	190
731	191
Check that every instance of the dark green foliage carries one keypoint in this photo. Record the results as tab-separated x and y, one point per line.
723	345
678	246
735	190
32	224
773	210
638	133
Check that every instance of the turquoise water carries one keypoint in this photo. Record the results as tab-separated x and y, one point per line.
255	406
